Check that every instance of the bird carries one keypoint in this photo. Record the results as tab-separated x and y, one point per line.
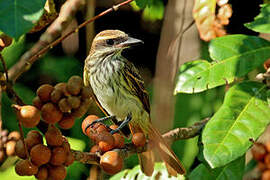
120	93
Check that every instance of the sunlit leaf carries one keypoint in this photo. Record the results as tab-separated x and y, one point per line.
18	17
234	56
232	171
160	173
261	22
244	115
155	11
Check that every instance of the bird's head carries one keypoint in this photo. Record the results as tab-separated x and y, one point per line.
112	42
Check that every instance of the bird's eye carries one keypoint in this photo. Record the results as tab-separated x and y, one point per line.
110	42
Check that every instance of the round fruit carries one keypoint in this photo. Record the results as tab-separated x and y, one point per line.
266	175
66	145
42	173
94	149
74	85
50	113
19	149
87	121
25	168
54	136
44	92
119	140
66	122
70	159
29	116
14	135
266	64
33	138
79	112
40	154
5	40
57	172
58	156
138	139
2	156
56	95
74	101
111	162
105	141
64	106
258	151
10	148
37	102
63	88
86	92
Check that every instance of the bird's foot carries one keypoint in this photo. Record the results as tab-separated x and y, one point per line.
124	123
101	121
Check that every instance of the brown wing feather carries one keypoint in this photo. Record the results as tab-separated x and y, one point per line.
137	85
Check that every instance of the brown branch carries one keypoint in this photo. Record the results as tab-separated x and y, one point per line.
129	149
47	40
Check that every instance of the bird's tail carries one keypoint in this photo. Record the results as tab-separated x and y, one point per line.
172	163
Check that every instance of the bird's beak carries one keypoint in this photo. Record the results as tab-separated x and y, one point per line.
131	42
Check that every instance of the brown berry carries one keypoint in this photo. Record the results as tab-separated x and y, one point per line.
86	122
113	126
28	115
66	122
79	112
111	162
56	95
2	156
266	64
57	172
37	102
10	148
86	92
44	92
42	173
63	88
94	149
19	149
5	40
50	113
70	159
74	101
59	156
258	151
138	139
14	135
33	138
74	85
105	141
64	106
266	175
54	136
119	140
25	168
100	128
66	145
40	154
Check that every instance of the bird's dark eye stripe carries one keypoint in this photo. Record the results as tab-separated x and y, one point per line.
110	41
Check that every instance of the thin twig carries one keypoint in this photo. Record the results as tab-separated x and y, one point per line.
15	71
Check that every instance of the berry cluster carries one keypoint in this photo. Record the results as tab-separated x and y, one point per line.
64	102
261	153
46	161
111	161
7	143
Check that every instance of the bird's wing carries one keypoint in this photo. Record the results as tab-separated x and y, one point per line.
135	82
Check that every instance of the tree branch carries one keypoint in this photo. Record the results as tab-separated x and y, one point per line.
49	39
129	149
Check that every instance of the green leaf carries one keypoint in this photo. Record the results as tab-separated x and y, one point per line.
244	115
261	22
18	17
142	3
234	56
155	11
231	171
160	173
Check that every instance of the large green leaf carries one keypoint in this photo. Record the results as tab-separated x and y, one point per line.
261	22
234	56
244	115
17	17
231	171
